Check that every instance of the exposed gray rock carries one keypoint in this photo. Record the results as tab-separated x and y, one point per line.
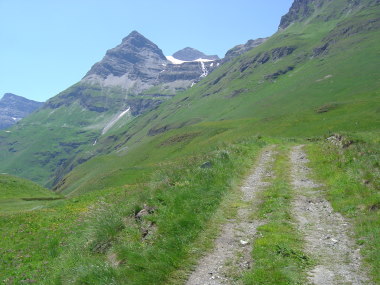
301	10
137	64
13	108
243	48
190	54
134	64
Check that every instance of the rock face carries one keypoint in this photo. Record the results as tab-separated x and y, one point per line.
13	108
134	64
299	10
137	65
302	9
243	48
190	54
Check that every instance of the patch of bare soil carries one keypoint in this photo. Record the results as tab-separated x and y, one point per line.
231	254
327	233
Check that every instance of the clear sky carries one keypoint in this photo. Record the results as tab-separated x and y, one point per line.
48	45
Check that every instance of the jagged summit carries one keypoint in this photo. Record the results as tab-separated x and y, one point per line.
191	54
137	64
134	53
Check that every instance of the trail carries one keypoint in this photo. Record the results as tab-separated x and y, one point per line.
235	241
327	233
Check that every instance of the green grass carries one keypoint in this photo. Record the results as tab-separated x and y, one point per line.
351	179
278	251
17	194
93	237
184	197
32	240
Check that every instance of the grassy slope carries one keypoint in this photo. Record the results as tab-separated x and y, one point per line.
163	170
322	94
42	145
20	194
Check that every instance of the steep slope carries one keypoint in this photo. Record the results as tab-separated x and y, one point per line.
303	81
13	108
131	79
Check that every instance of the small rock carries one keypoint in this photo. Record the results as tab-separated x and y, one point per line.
244	242
207	164
334	240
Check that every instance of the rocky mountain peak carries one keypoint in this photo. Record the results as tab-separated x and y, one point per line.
299	11
190	54
137	42
135	54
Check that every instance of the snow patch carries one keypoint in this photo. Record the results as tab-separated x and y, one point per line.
192	84
114	121
203	60
175	60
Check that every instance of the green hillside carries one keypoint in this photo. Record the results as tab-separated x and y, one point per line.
20	194
288	87
146	201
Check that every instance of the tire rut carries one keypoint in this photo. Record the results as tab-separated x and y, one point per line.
327	233
233	244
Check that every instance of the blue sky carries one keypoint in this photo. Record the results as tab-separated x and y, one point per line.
48	45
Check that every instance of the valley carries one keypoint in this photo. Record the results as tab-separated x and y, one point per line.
258	168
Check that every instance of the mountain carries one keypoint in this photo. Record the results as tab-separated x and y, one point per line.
132	79
137	65
243	48
132	65
145	191
190	54
13	108
298	83
98	114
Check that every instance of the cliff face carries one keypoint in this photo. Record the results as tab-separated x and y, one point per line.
134	64
137	65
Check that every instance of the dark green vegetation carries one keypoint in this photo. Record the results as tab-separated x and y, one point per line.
350	171
278	252
317	77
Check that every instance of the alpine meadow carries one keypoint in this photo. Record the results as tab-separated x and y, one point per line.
262	167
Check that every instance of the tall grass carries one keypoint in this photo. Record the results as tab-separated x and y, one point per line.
120	245
351	176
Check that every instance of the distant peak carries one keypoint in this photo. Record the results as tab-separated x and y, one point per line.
10	95
133	34
190	54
